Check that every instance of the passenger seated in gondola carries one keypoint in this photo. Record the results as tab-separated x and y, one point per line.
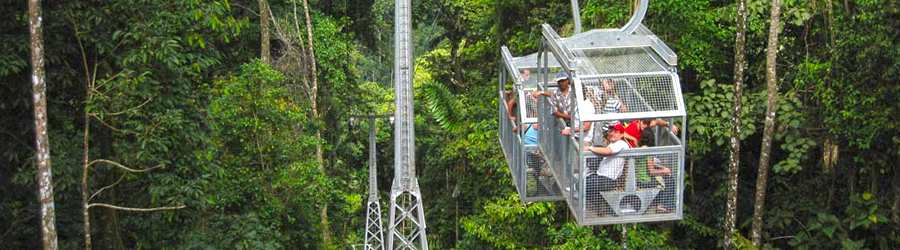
606	101
511	108
633	129
524	76
651	173
559	98
536	163
609	170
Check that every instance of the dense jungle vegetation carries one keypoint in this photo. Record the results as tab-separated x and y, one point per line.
251	146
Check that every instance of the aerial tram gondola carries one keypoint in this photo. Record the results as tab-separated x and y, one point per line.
635	69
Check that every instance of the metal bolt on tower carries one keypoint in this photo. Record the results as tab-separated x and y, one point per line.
374	233
407	225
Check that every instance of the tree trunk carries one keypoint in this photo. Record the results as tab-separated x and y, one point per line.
768	131
265	48
895	183
740	63
311	63
85	163
42	141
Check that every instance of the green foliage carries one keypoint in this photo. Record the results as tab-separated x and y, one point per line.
711	112
571	236
177	84
263	172
508	224
864	226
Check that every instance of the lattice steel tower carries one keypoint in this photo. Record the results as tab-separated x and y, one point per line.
407	225
374	232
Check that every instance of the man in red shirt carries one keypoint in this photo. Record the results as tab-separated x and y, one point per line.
633	129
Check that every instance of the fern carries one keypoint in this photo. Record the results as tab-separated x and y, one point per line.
442	105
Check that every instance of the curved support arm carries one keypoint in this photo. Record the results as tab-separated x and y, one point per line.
636	18
576	16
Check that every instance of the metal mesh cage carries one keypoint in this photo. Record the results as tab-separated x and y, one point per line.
609	85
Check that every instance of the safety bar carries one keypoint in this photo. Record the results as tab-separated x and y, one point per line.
558	48
508	62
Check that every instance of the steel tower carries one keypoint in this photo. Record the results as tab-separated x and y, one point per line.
374	232
407	225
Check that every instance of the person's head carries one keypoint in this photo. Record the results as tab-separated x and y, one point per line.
563	80
608	85
645	123
525	73
615	133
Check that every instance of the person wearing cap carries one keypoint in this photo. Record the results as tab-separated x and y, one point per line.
611	167
608	171
559	98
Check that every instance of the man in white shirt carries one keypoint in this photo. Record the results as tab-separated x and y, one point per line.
585	133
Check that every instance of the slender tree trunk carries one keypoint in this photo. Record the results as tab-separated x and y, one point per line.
895	184
114	217
769	130
265	48
42	141
311	63
874	178
830	146
851	180
85	163
740	63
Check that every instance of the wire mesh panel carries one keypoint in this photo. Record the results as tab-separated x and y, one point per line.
559	151
530	172
628	60
630	94
632	82
539	183
646	190
531	104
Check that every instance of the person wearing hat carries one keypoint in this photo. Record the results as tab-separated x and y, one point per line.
611	167
608	171
559	98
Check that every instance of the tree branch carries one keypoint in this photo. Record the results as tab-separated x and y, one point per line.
135	209
246	8
110	126
130	109
107	187
14	225
123	167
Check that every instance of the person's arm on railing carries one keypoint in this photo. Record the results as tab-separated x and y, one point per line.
664	123
630	139
657	170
